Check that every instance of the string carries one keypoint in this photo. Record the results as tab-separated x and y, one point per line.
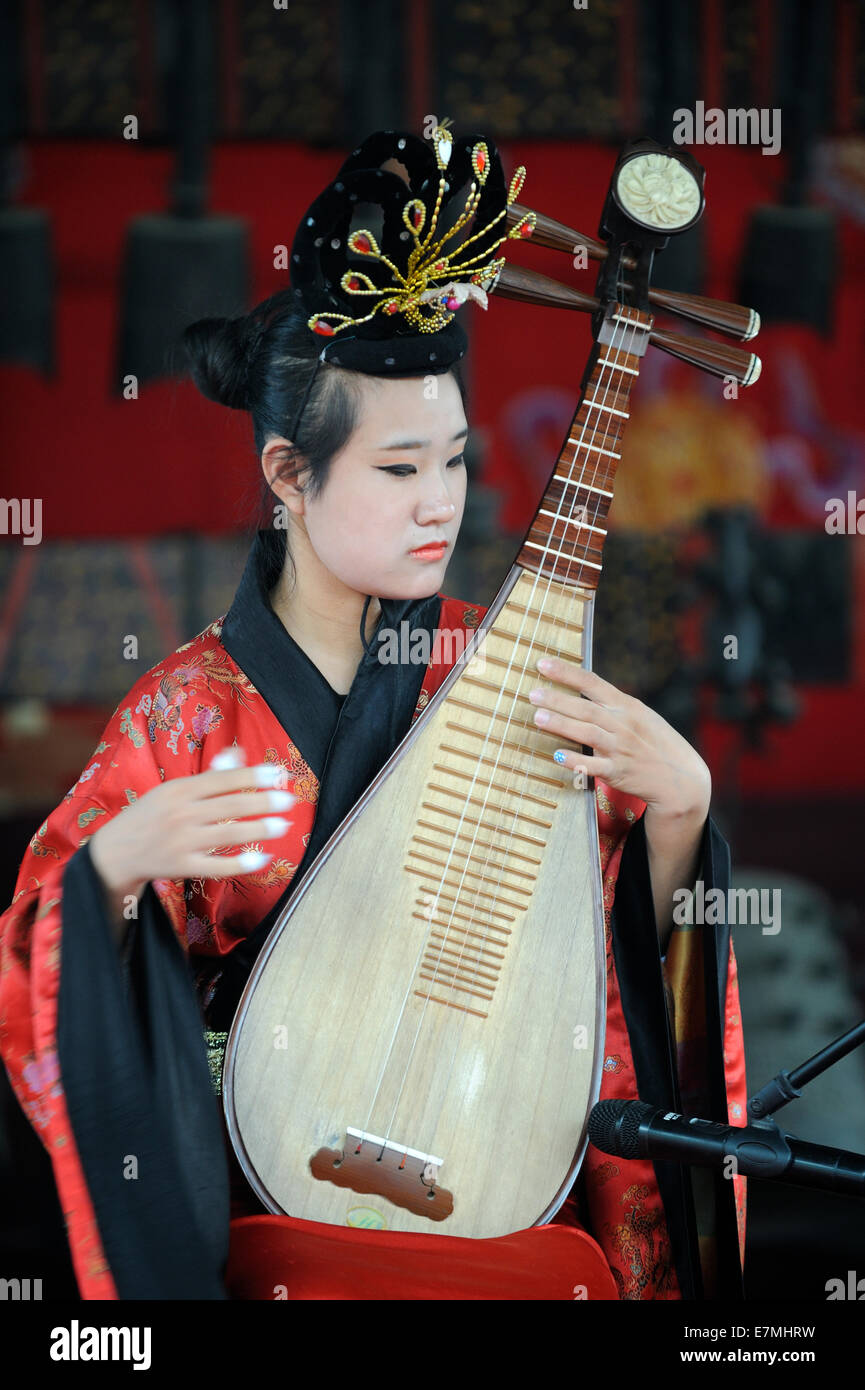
523	670
611	360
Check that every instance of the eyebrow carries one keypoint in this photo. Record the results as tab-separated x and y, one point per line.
417	443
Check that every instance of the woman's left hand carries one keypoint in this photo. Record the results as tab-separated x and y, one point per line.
635	750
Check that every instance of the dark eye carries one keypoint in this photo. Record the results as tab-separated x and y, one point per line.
403	470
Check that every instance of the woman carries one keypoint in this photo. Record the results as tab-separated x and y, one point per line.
282	706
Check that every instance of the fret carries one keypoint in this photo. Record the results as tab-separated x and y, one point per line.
448	986
465	988
514	607
478	906
508	665
479	709
508	791
467	873
451	849
596	448
484	844
505	810
478	1013
569	521
484	969
496	829
602	477
484	950
446	971
512	694
506	767
572	559
512	663
587	487
451	926
610	409
442	967
631	371
495	714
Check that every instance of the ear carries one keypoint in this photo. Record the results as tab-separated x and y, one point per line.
275	460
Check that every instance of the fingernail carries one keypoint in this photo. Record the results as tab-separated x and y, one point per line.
228	758
544	664
281	801
268	775
253	859
542	716
275	825
536	696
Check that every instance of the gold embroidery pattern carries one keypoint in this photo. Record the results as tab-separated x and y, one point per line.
215	1044
645	1251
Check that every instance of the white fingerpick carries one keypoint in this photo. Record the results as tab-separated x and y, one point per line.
281	801
228	758
268	774
253	859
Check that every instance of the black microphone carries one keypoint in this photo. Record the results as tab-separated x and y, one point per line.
632	1129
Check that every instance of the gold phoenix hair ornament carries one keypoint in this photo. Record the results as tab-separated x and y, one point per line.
442	271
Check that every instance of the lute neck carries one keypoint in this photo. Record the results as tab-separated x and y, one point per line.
565	541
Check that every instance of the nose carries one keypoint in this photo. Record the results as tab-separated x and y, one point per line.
437	504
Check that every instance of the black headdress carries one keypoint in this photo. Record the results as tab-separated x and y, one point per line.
382	263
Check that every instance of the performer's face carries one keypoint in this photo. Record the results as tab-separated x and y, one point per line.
397	485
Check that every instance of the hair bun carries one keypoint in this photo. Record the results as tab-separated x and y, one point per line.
218	352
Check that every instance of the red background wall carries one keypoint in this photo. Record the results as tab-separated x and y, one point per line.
173	461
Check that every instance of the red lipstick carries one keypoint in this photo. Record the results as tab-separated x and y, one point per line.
433	551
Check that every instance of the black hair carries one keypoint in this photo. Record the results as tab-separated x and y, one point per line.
263	362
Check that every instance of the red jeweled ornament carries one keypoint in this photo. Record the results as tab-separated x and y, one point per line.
361	242
324	328
452	303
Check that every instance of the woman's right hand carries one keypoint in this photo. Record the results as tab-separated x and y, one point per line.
167	833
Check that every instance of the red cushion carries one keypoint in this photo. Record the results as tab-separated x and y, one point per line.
273	1257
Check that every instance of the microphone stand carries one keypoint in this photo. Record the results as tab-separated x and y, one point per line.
787	1086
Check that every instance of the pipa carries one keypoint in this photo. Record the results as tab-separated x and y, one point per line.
406	1040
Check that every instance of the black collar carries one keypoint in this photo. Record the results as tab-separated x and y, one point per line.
306	705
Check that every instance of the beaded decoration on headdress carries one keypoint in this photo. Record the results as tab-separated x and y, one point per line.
426	257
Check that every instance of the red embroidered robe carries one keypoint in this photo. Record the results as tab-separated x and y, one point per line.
175	718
